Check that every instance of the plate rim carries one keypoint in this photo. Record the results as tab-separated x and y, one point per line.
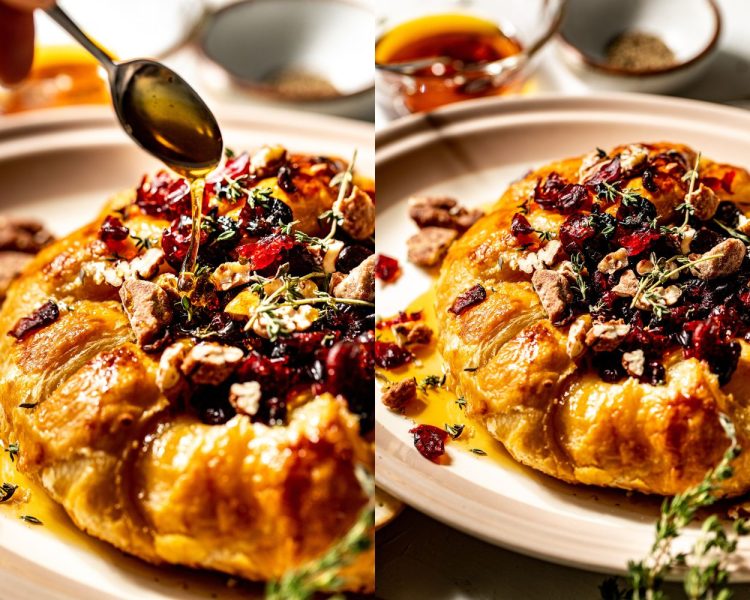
408	133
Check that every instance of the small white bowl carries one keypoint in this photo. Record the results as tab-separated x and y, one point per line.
254	42
691	29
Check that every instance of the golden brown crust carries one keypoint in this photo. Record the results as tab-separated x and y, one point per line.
242	497
560	417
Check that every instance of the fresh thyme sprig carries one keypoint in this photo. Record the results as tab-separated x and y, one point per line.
707	577
289	294
432	381
13	450
610	193
733	232
343	181
323	574
578	266
6	491
455	430
662	271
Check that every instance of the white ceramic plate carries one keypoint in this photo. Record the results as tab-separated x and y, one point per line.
60	166
473	151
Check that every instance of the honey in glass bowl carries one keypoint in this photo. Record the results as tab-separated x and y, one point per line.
440	59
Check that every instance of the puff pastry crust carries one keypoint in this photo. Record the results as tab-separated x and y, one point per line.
557	414
132	468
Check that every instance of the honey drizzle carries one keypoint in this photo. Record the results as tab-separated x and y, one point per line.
197	185
439	406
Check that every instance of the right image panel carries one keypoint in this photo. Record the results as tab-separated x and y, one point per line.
563	299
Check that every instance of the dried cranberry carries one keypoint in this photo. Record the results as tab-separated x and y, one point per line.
264	212
636	242
471	297
269	251
112	230
520	225
429	441
712	341
386	268
351	257
285	179
728	213
46	314
176	239
391	356
609	366
163	195
402	317
603	223
350	373
636	213
608	173
575	231
704	240
555	194
211	404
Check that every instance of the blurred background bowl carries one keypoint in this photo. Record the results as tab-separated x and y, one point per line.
532	23
690	28
305	52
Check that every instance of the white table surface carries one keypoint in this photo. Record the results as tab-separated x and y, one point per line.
420	558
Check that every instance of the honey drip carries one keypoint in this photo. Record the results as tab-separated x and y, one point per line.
439	406
186	281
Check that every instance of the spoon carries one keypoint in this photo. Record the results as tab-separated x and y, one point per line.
156	108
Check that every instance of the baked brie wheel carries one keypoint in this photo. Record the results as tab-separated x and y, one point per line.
223	426
595	320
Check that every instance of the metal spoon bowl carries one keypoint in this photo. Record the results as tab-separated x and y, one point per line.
157	108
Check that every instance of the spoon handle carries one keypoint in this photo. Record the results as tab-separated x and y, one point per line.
64	21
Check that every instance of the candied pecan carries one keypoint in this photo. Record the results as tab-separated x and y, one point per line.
432	211
554	293
24	235
230	274
576	343
704	202
398	394
728	256
627	286
359	284
471	297
11	264
613	262
147	307
428	247
147	264
357	211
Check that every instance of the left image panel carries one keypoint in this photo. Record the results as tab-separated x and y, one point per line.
187	299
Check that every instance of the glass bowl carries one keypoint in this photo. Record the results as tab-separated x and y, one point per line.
404	87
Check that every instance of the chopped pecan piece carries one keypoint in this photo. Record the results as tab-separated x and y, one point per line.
554	293
11	264
24	235
576	344
704	202
245	397
606	335
360	283
414	333
147	307
230	274
634	362
169	377
613	262
728	256
428	247
627	287
632	157
147	264
357	211
430	211
397	395
211	363
551	253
